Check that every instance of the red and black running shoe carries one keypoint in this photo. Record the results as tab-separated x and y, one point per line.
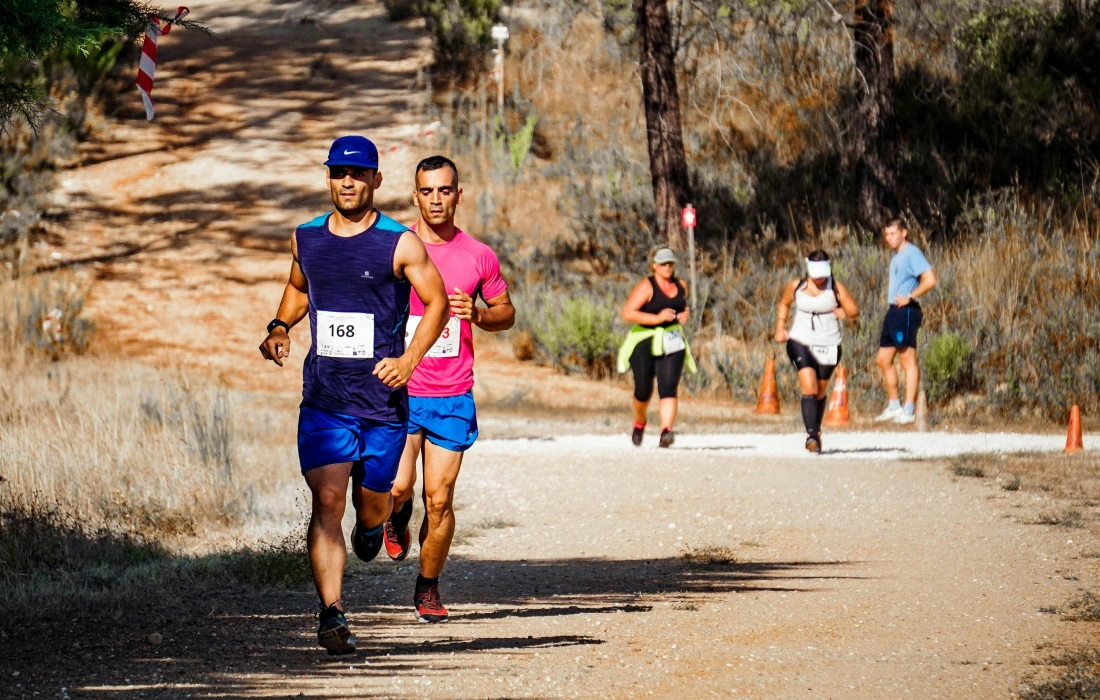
428	606
397	543
667	438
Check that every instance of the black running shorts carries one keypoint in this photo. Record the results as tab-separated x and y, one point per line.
899	328
802	358
665	368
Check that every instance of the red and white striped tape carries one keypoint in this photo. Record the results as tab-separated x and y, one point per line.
148	63
427	133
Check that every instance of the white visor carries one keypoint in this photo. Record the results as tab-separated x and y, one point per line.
817	269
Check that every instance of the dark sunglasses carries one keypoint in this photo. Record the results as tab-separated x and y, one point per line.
339	172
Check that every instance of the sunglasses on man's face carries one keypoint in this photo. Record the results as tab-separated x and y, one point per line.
340	172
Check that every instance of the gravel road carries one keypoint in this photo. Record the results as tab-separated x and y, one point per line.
857	576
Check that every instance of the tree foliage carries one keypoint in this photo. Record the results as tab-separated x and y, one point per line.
34	31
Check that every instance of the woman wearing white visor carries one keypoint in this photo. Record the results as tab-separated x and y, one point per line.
813	343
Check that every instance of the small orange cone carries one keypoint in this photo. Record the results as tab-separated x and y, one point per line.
767	401
836	413
1073	436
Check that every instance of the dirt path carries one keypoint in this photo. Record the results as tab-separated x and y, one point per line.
185	221
853	577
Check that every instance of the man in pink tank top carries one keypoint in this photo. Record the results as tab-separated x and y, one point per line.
442	418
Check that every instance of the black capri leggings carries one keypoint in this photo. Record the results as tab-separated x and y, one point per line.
802	357
666	368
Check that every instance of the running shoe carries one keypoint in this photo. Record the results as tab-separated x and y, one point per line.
890	414
636	436
905	419
366	546
397	544
813	444
667	438
333	633
429	608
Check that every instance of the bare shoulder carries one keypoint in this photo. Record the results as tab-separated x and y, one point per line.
410	248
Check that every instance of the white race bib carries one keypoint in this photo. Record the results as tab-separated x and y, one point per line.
825	354
345	334
447	343
673	341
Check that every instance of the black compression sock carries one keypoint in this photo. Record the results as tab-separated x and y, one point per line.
820	413
423	584
809	413
400	518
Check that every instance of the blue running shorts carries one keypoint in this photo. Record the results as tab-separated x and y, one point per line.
899	328
374	448
447	421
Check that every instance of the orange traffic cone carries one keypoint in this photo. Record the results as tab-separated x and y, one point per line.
836	413
767	401
1073	436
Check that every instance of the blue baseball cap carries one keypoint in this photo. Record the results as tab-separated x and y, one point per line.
354	151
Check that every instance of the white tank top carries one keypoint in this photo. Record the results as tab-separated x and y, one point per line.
815	321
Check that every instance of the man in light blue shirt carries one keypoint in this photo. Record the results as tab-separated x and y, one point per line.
911	276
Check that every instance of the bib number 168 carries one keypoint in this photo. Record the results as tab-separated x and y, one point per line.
349	335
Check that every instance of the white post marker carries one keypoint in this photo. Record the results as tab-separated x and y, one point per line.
500	33
687	217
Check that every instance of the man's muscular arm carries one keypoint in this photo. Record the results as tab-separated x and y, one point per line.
500	316
411	261
292	309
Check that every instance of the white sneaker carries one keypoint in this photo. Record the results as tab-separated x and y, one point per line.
889	414
905	419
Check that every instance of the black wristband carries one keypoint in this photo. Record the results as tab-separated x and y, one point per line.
275	324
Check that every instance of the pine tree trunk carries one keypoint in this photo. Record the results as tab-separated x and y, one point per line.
667	164
877	136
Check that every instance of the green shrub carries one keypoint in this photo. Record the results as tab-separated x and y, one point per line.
945	362
513	147
577	333
461	27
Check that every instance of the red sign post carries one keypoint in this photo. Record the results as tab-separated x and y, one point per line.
687	217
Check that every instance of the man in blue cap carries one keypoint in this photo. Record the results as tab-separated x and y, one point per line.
351	273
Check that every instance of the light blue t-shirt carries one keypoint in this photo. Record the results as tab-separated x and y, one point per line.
906	267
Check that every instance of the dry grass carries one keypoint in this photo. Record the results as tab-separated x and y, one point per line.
1084	609
122	485
710	555
1078	676
1074	477
133	449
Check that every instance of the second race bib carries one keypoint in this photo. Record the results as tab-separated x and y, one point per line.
825	354
345	334
447	343
674	341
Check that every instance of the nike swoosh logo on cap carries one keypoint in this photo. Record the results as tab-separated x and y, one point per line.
348	153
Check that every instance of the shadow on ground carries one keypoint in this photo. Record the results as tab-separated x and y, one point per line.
244	643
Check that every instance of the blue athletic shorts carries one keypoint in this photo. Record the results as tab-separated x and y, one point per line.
899	328
448	421
374	448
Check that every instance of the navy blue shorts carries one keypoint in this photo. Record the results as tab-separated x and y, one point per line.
448	421
373	447
899	328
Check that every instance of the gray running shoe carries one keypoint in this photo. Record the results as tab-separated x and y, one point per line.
667	438
813	444
366	546
333	633
636	436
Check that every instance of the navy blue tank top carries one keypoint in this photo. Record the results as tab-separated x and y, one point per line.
353	276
